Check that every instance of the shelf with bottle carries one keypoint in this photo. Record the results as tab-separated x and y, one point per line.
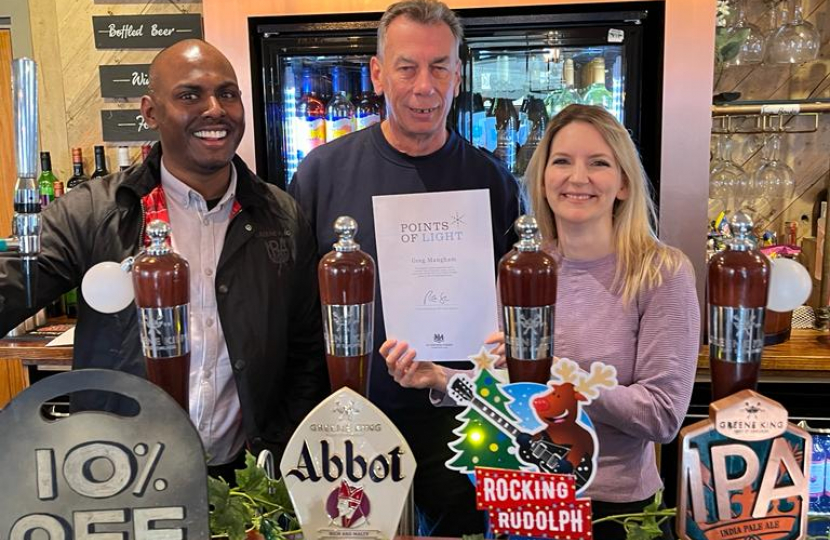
324	98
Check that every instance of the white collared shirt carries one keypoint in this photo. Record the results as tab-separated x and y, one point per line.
198	235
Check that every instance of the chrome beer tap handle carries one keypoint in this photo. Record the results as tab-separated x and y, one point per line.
26	224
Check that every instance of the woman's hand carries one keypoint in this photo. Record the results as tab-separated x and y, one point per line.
497	339
400	361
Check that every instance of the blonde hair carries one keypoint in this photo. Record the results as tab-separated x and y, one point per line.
641	258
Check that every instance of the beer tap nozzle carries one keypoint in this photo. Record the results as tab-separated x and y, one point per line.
26	225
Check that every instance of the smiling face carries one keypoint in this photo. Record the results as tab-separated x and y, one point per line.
196	106
419	74
583	178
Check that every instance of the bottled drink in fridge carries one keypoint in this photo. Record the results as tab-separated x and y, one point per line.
46	180
567	95
311	117
340	113
78	176
507	121
825	498
538	118
738	287
818	466
368	106
597	94
100	163
145	151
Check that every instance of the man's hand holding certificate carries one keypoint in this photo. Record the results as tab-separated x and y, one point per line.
437	271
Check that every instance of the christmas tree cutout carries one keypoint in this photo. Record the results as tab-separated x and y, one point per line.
481	443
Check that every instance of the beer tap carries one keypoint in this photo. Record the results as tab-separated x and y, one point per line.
26	224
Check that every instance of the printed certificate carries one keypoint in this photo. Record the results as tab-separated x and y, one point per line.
437	271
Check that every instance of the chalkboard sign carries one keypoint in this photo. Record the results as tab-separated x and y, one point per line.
140	477
145	31
124	125
124	81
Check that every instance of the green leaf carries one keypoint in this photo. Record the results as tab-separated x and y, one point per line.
635	532
251	477
229	515
728	43
218	492
233	520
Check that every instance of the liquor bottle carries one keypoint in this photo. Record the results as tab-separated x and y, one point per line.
46	185
340	112
78	177
67	304
597	94
59	188
347	292
507	121
568	94
100	163
818	467
162	295
367	111
527	284
738	286
123	158
145	151
311	118
46	180
538	121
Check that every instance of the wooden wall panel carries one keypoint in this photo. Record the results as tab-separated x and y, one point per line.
808	154
13	379
8	168
65	49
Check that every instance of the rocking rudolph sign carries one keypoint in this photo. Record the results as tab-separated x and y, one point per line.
744	473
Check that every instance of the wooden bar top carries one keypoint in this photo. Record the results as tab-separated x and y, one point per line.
803	352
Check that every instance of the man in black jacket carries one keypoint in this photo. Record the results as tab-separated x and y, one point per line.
257	362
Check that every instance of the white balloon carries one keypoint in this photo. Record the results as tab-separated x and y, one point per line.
790	285
107	288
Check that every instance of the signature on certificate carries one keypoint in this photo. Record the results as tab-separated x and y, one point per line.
432	298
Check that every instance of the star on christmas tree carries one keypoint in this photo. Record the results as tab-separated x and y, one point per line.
484	360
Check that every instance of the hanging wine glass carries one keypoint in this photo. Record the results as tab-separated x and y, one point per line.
796	41
774	177
753	45
724	174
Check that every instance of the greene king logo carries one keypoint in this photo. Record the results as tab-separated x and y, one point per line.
348	506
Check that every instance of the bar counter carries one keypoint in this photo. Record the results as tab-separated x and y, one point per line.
802	356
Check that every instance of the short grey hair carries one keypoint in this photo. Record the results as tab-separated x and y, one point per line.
421	12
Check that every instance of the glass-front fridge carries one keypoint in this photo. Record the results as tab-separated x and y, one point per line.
520	66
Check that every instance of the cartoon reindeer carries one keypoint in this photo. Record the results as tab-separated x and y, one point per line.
560	406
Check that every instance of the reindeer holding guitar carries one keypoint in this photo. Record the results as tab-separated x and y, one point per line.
563	444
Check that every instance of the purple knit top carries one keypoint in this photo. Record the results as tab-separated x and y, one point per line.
653	343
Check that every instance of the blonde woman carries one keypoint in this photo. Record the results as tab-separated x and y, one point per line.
624	298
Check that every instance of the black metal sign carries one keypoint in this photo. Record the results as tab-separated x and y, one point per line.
145	31
140	477
124	80
125	125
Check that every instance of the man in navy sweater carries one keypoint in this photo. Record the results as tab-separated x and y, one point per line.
418	71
